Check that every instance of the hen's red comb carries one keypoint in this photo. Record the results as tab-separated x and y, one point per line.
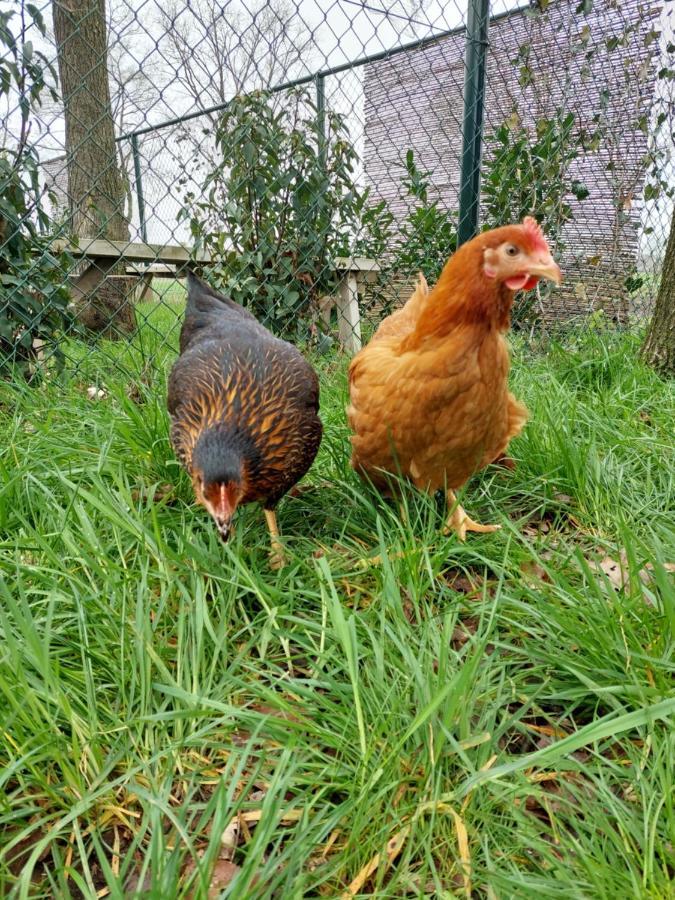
535	234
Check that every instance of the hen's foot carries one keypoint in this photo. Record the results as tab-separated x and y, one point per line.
460	523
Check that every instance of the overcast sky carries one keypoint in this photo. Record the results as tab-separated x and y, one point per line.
332	33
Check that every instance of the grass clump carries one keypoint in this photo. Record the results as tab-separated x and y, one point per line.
493	717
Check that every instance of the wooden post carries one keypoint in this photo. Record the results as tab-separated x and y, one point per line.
349	317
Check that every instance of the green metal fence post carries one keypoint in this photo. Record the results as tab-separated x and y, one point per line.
320	83
472	134
139	187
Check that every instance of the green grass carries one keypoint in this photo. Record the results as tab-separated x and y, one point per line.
499	696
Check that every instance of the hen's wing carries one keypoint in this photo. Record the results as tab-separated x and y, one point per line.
208	313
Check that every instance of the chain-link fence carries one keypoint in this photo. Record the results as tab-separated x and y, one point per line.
312	158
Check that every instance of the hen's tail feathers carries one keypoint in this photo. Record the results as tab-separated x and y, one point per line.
403	320
201	297
419	295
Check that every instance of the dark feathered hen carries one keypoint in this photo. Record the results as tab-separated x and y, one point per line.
244	408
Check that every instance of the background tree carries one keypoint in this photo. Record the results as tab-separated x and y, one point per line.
214	55
659	345
135	89
96	189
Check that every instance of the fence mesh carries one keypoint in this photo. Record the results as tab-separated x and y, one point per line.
307	157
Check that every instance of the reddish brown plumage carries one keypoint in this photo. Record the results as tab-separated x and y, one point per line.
429	396
244	407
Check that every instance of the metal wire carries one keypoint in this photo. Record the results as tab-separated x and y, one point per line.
577	129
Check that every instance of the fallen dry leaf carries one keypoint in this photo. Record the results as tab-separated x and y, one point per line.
547	730
377	560
276	713
392	850
229	839
95	393
615	570
134	885
222	874
533	573
409	608
162	492
618	571
463	632
251	816
459	582
471	584
301	489
464	854
334	835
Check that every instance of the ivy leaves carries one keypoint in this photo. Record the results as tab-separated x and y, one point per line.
33	299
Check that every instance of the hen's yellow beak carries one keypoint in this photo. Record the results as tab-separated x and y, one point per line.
546	268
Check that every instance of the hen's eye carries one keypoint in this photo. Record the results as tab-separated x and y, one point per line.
512	251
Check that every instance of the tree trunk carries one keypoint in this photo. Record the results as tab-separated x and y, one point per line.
659	346
95	185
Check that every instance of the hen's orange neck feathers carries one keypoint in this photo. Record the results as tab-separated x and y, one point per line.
464	295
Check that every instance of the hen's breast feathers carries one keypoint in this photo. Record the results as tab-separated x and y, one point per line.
433	414
264	396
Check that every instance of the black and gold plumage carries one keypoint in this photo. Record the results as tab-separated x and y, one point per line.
244	408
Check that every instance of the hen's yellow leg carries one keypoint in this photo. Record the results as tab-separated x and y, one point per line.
460	523
277	556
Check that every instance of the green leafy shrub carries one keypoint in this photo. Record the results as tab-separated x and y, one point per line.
33	299
280	206
528	173
428	234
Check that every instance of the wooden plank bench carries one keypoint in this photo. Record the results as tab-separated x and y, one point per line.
102	255
147	261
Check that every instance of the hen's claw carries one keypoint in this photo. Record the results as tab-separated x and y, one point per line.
277	558
460	523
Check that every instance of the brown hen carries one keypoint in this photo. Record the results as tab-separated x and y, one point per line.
428	395
244	410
